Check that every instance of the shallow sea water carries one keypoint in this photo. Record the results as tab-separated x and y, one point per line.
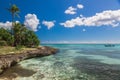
73	62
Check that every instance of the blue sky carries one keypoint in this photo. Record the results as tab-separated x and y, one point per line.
67	20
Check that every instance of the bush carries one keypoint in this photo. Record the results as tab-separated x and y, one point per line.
18	47
21	37
6	36
31	40
25	37
3	43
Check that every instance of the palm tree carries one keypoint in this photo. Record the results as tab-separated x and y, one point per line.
14	10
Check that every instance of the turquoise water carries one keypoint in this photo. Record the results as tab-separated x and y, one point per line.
76	62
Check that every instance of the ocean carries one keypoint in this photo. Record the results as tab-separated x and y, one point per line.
72	62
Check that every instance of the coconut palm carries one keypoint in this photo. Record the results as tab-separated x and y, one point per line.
14	10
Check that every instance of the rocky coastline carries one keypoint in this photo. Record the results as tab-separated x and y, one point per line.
6	61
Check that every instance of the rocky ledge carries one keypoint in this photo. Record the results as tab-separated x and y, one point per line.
6	61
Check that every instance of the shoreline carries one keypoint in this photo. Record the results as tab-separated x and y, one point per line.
9	60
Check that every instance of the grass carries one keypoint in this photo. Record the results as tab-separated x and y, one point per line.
12	50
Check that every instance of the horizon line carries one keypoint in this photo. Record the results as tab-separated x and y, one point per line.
80	42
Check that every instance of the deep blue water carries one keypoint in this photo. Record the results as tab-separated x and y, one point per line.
76	62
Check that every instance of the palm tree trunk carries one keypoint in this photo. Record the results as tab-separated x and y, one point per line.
12	29
12	23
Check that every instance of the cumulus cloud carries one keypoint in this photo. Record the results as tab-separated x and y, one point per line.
73	22
70	10
49	24
105	18
80	6
7	25
31	22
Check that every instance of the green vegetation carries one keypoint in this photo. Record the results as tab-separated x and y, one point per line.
14	10
25	37
19	35
12	50
22	37
3	43
5	37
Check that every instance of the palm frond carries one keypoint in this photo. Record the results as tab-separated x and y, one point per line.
17	15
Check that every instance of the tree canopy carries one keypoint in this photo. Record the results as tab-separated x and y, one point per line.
22	36
14	10
19	34
6	37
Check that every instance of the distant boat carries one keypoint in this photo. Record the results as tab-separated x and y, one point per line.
109	45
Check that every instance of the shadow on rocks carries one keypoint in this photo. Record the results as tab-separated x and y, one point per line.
15	72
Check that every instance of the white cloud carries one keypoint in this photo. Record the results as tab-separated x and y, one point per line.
80	6
31	22
105	18
49	24
73	22
71	10
7	25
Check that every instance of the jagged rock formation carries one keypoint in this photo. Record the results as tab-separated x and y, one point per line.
7	61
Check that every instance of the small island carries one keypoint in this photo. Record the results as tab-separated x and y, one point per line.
19	43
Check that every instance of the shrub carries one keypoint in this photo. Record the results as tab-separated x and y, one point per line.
31	40
21	37
25	37
6	36
3	43
18	47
